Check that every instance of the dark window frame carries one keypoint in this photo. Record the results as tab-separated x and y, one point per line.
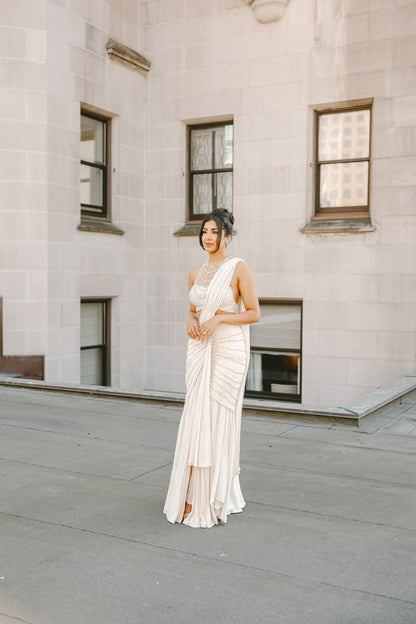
106	346
342	212
276	396
199	217
87	211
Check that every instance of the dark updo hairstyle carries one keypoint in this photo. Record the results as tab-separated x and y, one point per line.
224	221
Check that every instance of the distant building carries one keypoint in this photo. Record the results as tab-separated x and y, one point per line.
122	123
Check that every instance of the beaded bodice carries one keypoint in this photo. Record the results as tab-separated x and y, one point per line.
199	290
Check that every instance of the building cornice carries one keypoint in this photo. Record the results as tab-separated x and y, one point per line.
127	56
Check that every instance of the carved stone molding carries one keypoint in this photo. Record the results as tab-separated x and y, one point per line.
266	11
127	56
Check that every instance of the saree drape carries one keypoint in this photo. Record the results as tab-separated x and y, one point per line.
206	463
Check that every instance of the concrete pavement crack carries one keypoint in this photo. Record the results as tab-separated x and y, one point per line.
15	619
252	502
83	436
349	446
331	475
332	516
281	575
81	474
143	474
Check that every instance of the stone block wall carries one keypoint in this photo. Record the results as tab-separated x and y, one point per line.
93	264
55	61
23	247
209	61
214	60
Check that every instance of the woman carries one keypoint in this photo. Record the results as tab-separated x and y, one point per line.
204	485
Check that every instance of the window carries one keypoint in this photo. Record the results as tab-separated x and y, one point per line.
94	166
343	162
95	363
210	148
275	359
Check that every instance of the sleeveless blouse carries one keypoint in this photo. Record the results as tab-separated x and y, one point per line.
199	291
198	296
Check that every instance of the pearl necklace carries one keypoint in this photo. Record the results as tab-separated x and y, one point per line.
207	272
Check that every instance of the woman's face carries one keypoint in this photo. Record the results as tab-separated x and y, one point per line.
212	239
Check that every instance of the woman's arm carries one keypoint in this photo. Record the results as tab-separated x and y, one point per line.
247	290
192	324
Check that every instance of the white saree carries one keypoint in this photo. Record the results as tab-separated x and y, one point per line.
205	470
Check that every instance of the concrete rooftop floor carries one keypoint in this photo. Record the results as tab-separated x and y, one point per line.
328	535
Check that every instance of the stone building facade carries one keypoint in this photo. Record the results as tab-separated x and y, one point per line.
298	114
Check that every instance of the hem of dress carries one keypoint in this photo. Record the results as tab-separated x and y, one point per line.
209	525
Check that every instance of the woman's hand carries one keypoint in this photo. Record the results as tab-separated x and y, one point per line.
192	326
209	327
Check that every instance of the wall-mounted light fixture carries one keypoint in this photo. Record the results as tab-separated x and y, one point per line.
266	11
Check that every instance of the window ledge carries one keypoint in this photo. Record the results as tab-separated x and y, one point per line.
190	229
103	227
339	226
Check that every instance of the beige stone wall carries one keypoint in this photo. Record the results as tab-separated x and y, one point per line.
23	249
87	264
213	59
55	58
210	60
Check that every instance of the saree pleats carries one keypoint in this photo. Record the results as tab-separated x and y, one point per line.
205	470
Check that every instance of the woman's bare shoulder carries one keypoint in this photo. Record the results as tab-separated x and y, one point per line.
242	269
194	271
